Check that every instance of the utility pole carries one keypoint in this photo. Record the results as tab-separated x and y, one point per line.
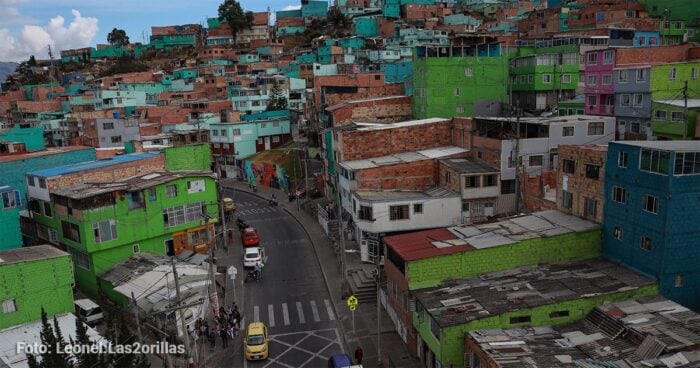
341	231
210	250
182	315
168	358
685	110
136	315
306	177
221	207
379	314
517	160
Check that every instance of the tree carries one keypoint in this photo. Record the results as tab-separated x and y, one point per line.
232	12
86	358
277	100
118	37
52	338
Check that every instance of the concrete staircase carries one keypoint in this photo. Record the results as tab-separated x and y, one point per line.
362	285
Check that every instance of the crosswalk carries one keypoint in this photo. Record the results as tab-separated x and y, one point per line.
309	311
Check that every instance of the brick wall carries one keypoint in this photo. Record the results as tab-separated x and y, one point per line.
417	175
461	133
363	144
365	92
578	184
394	276
110	173
532	189
487	149
652	55
389	109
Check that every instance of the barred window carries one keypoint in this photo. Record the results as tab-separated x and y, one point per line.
398	212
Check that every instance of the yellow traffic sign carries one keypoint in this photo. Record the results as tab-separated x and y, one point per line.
352	307
352	301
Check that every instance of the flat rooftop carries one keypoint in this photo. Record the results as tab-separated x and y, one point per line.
469	166
46	152
402	158
568	119
404	195
402	124
460	301
27	254
662	330
91	165
678	146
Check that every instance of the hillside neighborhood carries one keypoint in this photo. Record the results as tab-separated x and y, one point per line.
396	183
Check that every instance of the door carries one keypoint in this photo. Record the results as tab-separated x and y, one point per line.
267	143
541	102
170	247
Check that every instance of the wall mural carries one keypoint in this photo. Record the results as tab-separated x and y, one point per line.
263	173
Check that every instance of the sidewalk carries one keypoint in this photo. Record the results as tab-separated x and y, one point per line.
394	352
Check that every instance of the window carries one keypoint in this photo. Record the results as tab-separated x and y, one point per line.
622	76
650	203
595	128
471	182
508	186
520	319
566	78
568	166
435	329
619	194
136	249
679	281
625	100
108	126
652	40
275	139
116	139
70	231
42	183
490	180
215	133
567	199
567	131
460	109
672	74
9	306
608	57
398	212
694	73
592	100
465	206
660	114
610	100
593	58
418	208
687	163
546	78
655	161
592	80
592	171
104	231
535	160
618	234
236	132
559	314
11	199
80	259
677	116
171	191
457	91
677	25
638	99
47	209
30	181
365	213
607	79
590	206
640	75
645	243
622	159
195	186
468	72
179	215
223	133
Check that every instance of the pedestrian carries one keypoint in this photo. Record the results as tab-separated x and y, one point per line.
236	318
212	339
198	326
229	313
358	355
230	331
224	336
204	330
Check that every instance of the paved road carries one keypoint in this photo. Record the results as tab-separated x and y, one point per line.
291	299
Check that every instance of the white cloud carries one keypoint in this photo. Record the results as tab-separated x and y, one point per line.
292	7
34	40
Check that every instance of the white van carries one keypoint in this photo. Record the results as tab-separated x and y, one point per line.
254	255
88	311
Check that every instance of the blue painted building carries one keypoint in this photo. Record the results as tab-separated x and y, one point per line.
314	9
33	138
646	38
652	213
10	203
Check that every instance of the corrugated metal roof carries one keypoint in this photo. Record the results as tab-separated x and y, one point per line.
419	244
89	165
33	253
404	157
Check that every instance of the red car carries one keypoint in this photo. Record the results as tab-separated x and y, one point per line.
250	238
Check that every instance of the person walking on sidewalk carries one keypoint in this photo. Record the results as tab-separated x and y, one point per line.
224	336
358	355
212	338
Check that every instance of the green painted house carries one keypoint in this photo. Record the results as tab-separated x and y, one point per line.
32	278
669	120
667	85
446	86
10	204
547	295
102	225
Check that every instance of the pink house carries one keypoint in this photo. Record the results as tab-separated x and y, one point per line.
599	90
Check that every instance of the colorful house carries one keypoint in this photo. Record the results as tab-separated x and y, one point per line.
10	203
651	188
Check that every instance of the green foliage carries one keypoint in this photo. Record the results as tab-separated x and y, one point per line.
277	100
118	37
338	19
125	65
86	358
52	338
232	12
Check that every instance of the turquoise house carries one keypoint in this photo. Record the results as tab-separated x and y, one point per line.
10	204
33	138
314	9
366	26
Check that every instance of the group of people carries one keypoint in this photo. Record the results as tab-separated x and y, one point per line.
226	326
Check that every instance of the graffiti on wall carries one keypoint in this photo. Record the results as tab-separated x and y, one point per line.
263	173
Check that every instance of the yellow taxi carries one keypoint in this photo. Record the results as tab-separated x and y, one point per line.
229	205
256	341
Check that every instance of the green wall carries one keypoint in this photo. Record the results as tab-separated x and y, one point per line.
33	284
450	348
430	272
436	78
663	87
194	157
668	128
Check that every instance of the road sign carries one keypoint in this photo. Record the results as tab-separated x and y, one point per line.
232	271
352	301
352	307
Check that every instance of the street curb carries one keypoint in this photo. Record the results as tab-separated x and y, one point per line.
323	271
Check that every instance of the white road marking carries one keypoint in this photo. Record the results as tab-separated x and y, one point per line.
271	314
285	314
329	309
314	309
256	314
300	312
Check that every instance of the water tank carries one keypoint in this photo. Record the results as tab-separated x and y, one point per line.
116	114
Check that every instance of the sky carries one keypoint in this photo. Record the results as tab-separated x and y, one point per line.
27	27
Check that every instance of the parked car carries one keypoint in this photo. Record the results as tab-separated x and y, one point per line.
256	341
229	204
254	255
250	237
88	311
